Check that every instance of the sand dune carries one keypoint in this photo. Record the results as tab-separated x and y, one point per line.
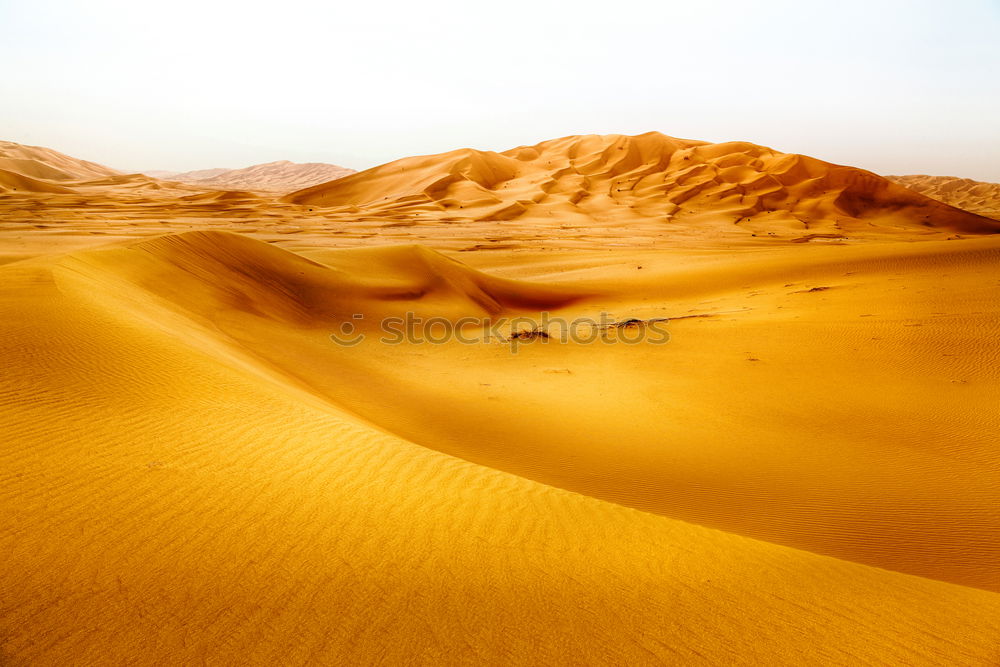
617	179
240	511
282	176
12	181
973	196
193	471
195	175
45	163
579	193
894	490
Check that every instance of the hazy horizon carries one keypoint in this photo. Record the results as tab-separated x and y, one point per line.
897	88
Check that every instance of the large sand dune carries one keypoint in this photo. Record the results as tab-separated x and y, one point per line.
808	472
619	180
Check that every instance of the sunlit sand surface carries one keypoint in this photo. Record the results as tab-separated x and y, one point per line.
808	472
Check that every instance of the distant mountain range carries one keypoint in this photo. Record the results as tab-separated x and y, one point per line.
38	169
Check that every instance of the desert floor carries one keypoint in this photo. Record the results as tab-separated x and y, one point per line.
192	471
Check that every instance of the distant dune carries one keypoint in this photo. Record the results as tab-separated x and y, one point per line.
617	180
973	196
48	170
281	176
46	164
159	173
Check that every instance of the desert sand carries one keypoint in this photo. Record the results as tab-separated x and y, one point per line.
808	472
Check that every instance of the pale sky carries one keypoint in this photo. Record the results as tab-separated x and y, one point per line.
891	86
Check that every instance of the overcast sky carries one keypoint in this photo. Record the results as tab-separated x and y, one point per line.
892	86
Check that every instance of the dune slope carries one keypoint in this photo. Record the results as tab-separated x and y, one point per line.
173	492
12	181
883	452
44	163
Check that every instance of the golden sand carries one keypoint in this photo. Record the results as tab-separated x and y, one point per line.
194	472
